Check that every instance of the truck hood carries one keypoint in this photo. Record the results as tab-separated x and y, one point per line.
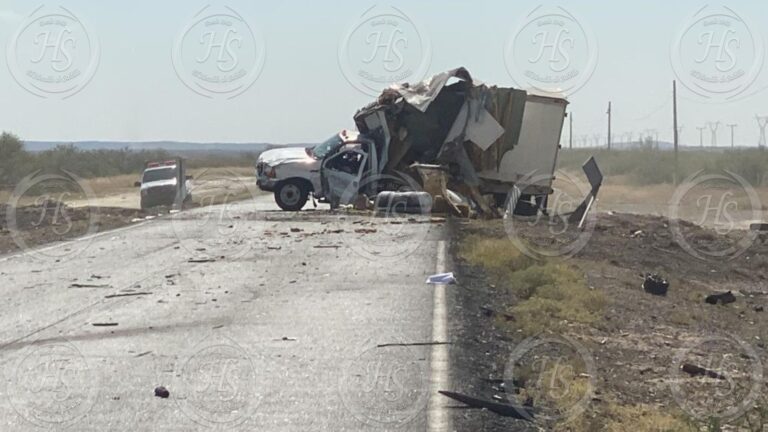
282	156
159	183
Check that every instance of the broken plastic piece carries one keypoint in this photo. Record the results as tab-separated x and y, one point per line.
518	412
442	279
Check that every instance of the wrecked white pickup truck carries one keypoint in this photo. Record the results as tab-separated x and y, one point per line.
480	141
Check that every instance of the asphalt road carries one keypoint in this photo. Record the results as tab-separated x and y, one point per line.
252	318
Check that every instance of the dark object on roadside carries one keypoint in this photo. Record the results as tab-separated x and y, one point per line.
655	284
694	370
759	227
759	309
398	203
722	298
104	324
518	412
162	392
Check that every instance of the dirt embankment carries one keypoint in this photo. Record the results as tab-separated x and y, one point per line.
618	363
52	221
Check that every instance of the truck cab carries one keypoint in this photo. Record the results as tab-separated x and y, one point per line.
164	184
329	171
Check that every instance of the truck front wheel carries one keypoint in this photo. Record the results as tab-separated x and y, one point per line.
291	195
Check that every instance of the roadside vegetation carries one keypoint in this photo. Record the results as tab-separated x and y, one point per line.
543	296
646	166
17	163
554	297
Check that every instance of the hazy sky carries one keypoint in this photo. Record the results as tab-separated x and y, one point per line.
296	71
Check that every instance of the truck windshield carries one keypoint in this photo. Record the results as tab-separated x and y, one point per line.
319	151
159	174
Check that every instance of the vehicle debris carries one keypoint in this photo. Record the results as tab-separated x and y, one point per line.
162	392
136	294
415	344
366	231
81	285
504	410
442	279
694	370
104	324
201	260
655	284
721	298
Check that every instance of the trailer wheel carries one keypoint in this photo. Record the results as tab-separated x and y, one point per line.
291	195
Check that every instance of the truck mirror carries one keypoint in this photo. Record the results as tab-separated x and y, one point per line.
137	184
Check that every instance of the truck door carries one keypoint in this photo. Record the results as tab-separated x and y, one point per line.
341	174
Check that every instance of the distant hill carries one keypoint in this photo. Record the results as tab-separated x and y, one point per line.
170	146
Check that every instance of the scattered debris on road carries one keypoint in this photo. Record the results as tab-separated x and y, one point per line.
442	279
136	294
201	260
162	392
80	285
415	344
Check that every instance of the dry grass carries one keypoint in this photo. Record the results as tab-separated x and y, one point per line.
644	418
544	296
621	418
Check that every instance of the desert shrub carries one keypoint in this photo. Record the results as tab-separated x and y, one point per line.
646	166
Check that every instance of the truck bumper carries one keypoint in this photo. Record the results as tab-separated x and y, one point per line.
266	184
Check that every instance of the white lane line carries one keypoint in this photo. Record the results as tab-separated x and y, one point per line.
438	418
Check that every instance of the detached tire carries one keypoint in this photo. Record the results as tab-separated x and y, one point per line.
291	195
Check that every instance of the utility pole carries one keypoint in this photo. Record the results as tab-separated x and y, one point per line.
733	133
570	138
701	136
763	123
609	124
677	128
713	127
596	137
